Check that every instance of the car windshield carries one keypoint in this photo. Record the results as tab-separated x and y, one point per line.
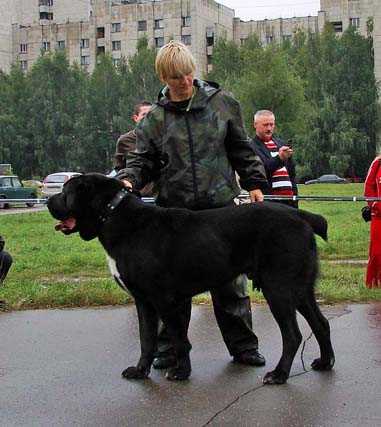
55	179
16	182
328	177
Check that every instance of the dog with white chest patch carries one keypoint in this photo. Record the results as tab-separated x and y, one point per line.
164	256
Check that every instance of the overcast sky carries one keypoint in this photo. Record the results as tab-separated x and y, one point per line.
261	9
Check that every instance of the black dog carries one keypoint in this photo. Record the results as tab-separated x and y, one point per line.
164	256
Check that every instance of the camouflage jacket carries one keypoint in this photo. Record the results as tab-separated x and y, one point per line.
194	150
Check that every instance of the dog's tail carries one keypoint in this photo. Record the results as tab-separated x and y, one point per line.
317	222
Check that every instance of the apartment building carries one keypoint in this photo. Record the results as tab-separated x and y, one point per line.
87	28
340	13
115	26
357	13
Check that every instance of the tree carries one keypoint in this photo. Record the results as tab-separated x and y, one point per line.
102	117
139	81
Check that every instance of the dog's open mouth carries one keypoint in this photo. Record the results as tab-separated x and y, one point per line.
67	226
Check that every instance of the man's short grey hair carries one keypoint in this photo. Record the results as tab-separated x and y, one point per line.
261	113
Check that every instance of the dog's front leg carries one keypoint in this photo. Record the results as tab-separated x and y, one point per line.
148	325
177	321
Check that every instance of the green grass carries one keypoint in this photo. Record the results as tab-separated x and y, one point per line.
53	270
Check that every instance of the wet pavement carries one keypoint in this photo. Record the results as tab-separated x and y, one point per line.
62	368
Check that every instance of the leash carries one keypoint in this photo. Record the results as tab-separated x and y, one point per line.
241	198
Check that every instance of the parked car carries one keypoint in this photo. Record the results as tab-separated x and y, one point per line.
327	179
54	182
12	188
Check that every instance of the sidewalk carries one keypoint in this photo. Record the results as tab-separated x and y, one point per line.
62	368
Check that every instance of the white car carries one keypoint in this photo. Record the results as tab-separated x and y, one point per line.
54	182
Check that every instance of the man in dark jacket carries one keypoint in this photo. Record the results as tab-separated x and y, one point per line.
5	264
276	157
191	143
127	141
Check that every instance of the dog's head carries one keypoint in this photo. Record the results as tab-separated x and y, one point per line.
82	202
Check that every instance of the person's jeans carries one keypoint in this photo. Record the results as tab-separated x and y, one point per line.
232	309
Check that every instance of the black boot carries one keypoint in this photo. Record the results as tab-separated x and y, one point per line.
250	357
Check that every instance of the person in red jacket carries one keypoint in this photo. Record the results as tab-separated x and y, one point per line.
372	188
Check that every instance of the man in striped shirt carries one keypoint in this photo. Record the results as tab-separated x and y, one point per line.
275	155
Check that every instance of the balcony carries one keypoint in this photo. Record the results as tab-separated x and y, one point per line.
44	9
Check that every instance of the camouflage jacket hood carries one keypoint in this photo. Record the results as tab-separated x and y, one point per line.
194	149
204	91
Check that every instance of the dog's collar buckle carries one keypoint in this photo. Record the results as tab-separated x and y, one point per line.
113	204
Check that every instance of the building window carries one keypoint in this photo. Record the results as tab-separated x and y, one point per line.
46	3
337	26
210	36
243	41
354	22
116	45
24	65
100	50
187	40
116	62
100	32
84	43
186	21
115	27
45	46
142	25
159	42
286	37
61	44
209	59
269	39
46	15
158	24
85	60
23	48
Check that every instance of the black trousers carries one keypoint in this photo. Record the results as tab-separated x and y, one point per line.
232	309
5	265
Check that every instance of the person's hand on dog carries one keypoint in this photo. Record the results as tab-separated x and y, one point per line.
256	196
285	152
127	183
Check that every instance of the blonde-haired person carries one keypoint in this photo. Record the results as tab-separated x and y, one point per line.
191	143
372	188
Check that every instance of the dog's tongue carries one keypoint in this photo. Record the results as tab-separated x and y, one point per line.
66	225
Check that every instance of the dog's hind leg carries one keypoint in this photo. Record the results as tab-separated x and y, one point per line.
148	325
308	308
283	309
177	322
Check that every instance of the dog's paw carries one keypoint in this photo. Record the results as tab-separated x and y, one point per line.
323	365
133	373
177	374
275	377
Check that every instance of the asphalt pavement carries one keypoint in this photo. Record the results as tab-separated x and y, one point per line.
62	368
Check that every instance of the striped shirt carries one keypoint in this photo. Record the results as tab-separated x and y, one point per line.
281	183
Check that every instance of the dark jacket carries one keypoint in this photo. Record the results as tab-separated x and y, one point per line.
193	150
125	143
273	163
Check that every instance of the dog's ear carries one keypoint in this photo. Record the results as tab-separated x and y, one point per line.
76	193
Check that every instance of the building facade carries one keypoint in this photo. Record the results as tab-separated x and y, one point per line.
88	28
